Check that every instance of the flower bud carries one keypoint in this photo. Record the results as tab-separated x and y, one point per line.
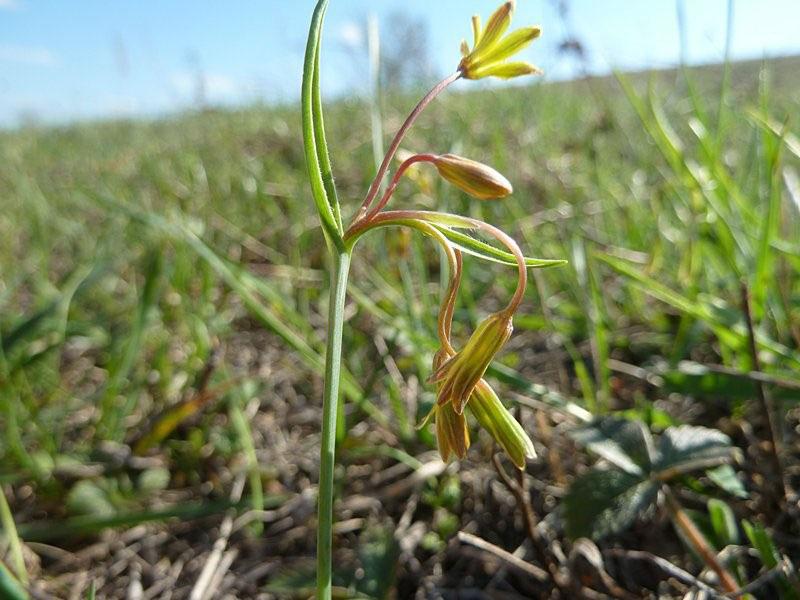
476	179
461	373
501	425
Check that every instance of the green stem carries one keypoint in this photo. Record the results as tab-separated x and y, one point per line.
330	399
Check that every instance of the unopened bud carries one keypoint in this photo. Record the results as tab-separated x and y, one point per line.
476	179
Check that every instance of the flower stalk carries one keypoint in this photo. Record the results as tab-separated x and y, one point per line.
459	374
330	402
398	138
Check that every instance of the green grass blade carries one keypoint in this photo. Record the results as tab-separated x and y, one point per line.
733	336
10	530
112	414
10	588
245	435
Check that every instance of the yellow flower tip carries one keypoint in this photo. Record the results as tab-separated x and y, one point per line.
500	424
459	375
452	434
491	50
476	179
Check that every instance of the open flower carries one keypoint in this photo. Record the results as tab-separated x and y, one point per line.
501	425
459	375
491	51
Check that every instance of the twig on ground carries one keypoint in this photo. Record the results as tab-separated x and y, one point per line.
512	561
206	583
762	580
666	567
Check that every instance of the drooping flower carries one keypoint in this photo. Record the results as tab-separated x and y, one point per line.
452	433
476	179
459	375
501	425
491	50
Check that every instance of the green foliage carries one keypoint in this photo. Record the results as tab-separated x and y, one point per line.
606	501
608	498
10	588
109	309
725	477
723	522
770	557
372	578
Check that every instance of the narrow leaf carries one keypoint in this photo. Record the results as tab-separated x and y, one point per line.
315	171
481	249
723	521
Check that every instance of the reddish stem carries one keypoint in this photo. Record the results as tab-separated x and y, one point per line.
376	183
467	223
417	158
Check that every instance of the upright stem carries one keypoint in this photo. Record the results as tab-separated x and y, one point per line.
330	401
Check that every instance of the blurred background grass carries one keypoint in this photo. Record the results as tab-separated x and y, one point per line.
163	293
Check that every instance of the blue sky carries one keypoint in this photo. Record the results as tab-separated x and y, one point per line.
68	59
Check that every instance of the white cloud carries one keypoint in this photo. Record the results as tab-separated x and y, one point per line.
9	5
352	35
27	55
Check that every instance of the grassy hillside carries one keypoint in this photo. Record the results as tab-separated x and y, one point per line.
163	296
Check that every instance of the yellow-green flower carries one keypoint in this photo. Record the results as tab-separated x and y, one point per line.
501	425
461	373
452	434
476	179
491	51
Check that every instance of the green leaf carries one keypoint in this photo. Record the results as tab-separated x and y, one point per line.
763	544
470	245
770	557
378	552
297	581
733	336
70	528
791	141
28	327
153	480
319	134
723	521
695	379
294	582
725	477
687	448
312	121
10	588
604	502
88	498
249	288
625	444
